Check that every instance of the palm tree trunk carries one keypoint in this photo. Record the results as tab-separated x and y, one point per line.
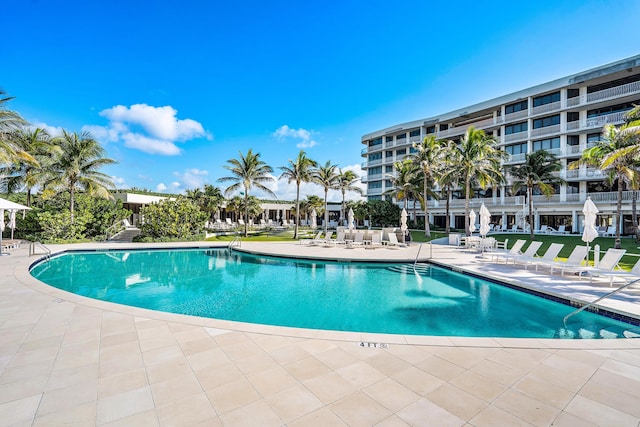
447	220
427	230
634	213
467	189
530	196
29	197
71	199
295	231
342	213
326	212
618	244
246	212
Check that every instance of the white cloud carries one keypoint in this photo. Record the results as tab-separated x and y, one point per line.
118	181
175	185
153	130
303	135
161	187
51	130
191	178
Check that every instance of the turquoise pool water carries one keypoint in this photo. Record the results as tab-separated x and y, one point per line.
380	298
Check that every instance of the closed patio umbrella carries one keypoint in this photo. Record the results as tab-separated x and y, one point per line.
590	232
350	219
314	224
403	222
472	221
485	218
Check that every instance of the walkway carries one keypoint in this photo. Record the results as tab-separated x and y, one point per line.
68	359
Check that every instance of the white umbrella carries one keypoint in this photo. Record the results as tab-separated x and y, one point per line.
472	221
314	224
403	220
485	218
6	204
12	222
590	231
350	216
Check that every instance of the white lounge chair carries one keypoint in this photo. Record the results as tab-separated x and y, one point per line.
549	256
340	239
611	231
313	241
561	230
358	240
624	275
393	241
573	263
530	253
515	250
376	241
608	264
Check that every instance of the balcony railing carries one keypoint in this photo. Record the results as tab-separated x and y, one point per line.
515	116
547	130
364	151
513	158
388	144
603	95
546	108
374	191
451	131
519	136
374	162
415	139
373	177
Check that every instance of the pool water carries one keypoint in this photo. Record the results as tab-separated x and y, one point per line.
380	298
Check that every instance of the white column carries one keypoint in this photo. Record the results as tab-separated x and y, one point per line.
536	220
574	221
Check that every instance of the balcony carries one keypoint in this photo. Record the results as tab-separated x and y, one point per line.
547	130
451	132
364	151
519	136
516	116
372	177
374	191
546	108
515	158
415	139
606	94
389	144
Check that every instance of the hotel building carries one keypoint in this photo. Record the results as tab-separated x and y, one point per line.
564	117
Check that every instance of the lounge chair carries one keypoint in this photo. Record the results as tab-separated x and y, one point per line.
530	253
376	241
573	263
340	239
358	240
561	230
611	231
313	241
608	264
393	241
549	256
624	275
515	250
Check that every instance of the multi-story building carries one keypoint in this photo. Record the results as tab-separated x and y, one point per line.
564	117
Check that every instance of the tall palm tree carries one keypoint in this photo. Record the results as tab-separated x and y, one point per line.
247	171
76	167
616	155
26	175
310	203
537	172
10	121
427	156
448	176
298	171
479	164
327	177
403	181
347	182
213	199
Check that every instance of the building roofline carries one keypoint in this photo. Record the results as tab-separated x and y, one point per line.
573	79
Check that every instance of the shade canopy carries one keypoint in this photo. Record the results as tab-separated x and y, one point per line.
12	206
590	212
472	221
485	218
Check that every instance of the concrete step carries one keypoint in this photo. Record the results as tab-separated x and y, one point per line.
125	236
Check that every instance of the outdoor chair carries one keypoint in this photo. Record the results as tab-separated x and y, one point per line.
573	263
376	240
624	275
312	241
561	230
608	264
530	253
515	249
393	242
549	256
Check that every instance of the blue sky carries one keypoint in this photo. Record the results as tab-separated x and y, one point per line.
174	89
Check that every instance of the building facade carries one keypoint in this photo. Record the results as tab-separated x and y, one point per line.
564	117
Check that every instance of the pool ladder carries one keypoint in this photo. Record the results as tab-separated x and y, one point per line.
584	307
34	245
236	241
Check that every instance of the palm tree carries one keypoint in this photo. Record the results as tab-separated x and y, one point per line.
213	199
10	121
616	155
537	172
27	175
403	181
299	171
76	167
248	171
478	163
347	182
310	203
427	157
448	176
327	177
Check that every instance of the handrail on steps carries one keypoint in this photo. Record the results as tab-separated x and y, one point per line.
32	249
113	229
584	307
237	240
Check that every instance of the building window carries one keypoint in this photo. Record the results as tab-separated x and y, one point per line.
401	136
387	183
593	137
573	140
573	188
546	121
375	184
412	150
375	142
401	152
546	99
374	171
516	148
612	109
573	116
375	156
546	144
518	106
388	169
573	93
415	132
431	129
515	128
375	197
444	126
388	138
613	83
388	153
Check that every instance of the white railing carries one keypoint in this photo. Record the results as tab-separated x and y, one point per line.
538	200
547	130
541	109
573	197
375	162
451	131
515	158
388	144
572	102
374	191
573	125
572	149
614	92
415	139
515	116
373	177
596	122
519	136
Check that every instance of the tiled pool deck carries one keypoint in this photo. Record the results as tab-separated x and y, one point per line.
69	360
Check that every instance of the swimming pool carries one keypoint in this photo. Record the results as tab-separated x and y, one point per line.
379	298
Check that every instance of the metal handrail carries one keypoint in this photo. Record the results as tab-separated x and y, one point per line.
415	262
32	246
584	307
116	227
236	239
